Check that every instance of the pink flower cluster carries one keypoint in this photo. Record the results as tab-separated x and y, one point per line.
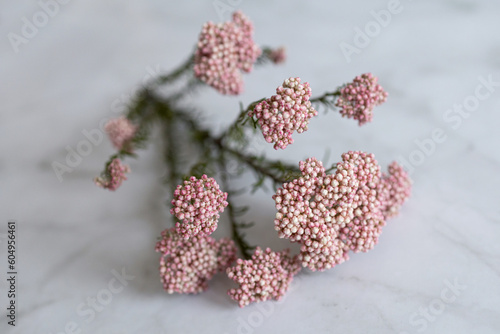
187	265
197	203
395	189
362	231
120	131
307	215
115	175
278	55
287	111
330	215
267	275
223	50
358	98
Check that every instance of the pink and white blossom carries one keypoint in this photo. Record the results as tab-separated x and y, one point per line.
120	131
358	98
284	113
267	275
224	51
186	265
114	175
197	203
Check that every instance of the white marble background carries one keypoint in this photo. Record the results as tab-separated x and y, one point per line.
72	236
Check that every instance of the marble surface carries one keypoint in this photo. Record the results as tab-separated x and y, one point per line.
436	268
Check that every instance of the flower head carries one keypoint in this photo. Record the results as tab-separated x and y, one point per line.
267	275
278	55
395	189
311	210
120	131
197	202
358	98
332	214
223	51
113	176
287	111
364	165
362	231
186	266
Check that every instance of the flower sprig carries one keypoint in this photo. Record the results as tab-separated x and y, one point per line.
329	212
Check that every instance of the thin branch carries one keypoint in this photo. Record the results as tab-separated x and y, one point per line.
171	156
325	97
239	237
184	68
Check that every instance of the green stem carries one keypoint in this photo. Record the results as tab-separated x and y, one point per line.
331	169
242	118
238	237
171	156
185	67
324	98
263	168
189	87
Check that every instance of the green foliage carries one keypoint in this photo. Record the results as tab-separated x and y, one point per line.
181	128
327	100
236	232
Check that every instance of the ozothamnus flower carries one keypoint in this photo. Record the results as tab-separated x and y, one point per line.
223	51
120	131
358	98
332	214
113	176
186	266
284	113
197	203
267	275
